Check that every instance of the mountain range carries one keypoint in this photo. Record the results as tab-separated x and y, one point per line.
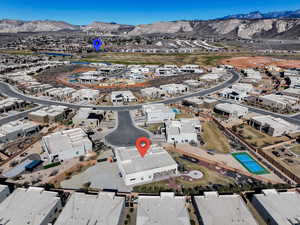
270	15
281	25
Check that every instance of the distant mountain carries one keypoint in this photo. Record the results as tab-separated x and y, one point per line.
254	26
231	28
107	27
14	26
162	27
270	15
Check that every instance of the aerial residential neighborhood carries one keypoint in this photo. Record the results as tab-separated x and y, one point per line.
193	120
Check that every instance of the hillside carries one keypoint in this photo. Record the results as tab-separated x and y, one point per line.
231	28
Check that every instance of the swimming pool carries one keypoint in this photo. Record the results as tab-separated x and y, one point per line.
249	163
176	111
80	63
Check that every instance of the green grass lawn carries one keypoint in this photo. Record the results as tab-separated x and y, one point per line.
213	60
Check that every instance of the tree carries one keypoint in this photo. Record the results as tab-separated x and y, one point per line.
234	129
87	184
13	163
54	172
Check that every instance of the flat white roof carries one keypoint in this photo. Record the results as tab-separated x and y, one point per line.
284	207
16	126
292	91
275	122
173	86
27	206
10	101
66	140
183	126
123	93
162	210
211	76
150	90
3	187
83	113
50	111
4	192
82	209
157	108
87	91
195	99
231	108
132	162
215	209
284	99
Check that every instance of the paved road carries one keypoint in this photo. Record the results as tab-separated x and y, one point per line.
126	133
12	92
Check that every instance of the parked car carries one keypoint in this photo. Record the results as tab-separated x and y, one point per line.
276	153
210	151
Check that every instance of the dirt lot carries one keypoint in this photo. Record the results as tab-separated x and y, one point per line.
257	138
260	61
214	138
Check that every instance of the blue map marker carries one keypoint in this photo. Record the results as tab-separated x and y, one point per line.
97	44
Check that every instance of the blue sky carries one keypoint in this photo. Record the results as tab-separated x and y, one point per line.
133	11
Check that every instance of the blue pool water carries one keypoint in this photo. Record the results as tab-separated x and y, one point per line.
81	63
249	163
176	111
74	76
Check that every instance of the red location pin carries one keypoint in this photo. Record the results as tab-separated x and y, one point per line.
142	144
